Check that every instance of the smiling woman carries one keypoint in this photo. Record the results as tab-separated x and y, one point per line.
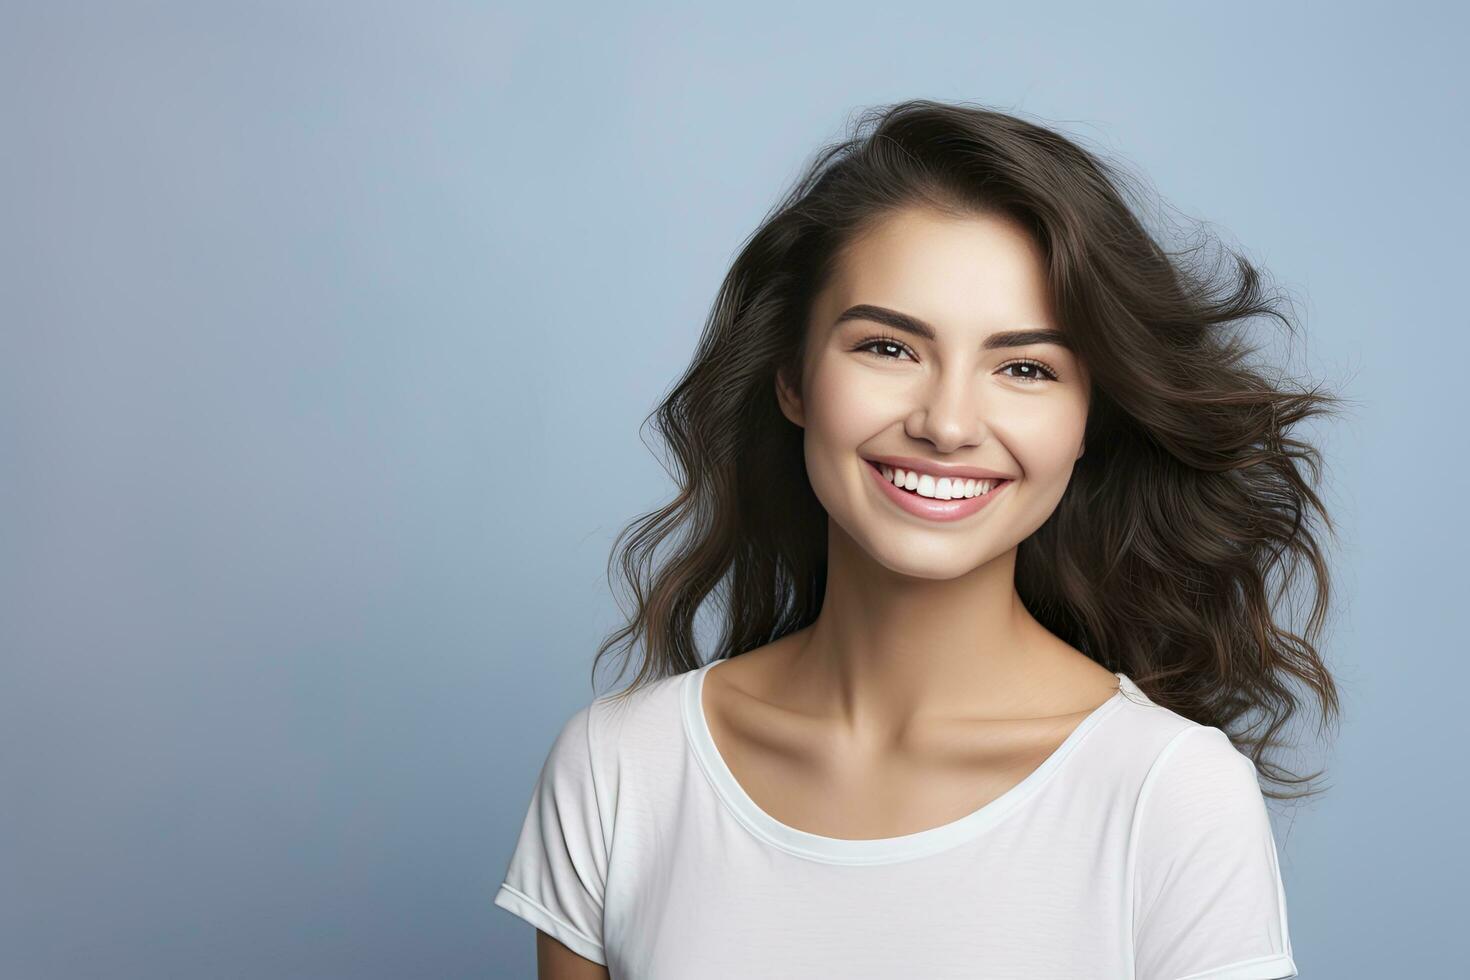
969	294
988	497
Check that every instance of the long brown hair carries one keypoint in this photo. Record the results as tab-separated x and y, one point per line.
1188	505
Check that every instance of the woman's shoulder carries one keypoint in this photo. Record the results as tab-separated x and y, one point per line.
1158	745
640	722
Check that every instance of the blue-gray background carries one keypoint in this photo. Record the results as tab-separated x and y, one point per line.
326	332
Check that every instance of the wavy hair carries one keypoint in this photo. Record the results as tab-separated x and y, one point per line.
1187	520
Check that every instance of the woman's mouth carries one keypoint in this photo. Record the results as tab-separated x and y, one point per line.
935	499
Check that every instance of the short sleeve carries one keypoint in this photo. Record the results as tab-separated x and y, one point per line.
558	870
1208	901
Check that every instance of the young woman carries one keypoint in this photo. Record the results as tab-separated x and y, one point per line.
990	497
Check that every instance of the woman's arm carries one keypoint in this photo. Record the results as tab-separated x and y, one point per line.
555	962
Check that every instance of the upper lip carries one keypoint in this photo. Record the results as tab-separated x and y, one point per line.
949	470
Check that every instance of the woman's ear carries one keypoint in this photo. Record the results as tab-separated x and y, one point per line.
789	398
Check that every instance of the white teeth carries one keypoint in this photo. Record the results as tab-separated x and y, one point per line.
941	488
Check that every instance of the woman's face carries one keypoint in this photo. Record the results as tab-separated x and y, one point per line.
965	396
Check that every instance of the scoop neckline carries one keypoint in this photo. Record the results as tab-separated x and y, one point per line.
874	850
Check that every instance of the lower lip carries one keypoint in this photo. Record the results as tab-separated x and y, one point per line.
928	507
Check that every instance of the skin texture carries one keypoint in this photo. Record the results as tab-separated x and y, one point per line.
555	962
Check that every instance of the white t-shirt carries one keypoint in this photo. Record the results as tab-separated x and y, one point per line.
1141	848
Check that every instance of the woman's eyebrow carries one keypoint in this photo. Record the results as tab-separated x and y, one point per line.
913	325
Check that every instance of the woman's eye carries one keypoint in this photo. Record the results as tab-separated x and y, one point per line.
889	347
1035	371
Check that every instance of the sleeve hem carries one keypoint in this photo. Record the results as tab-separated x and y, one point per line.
1277	966
520	904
